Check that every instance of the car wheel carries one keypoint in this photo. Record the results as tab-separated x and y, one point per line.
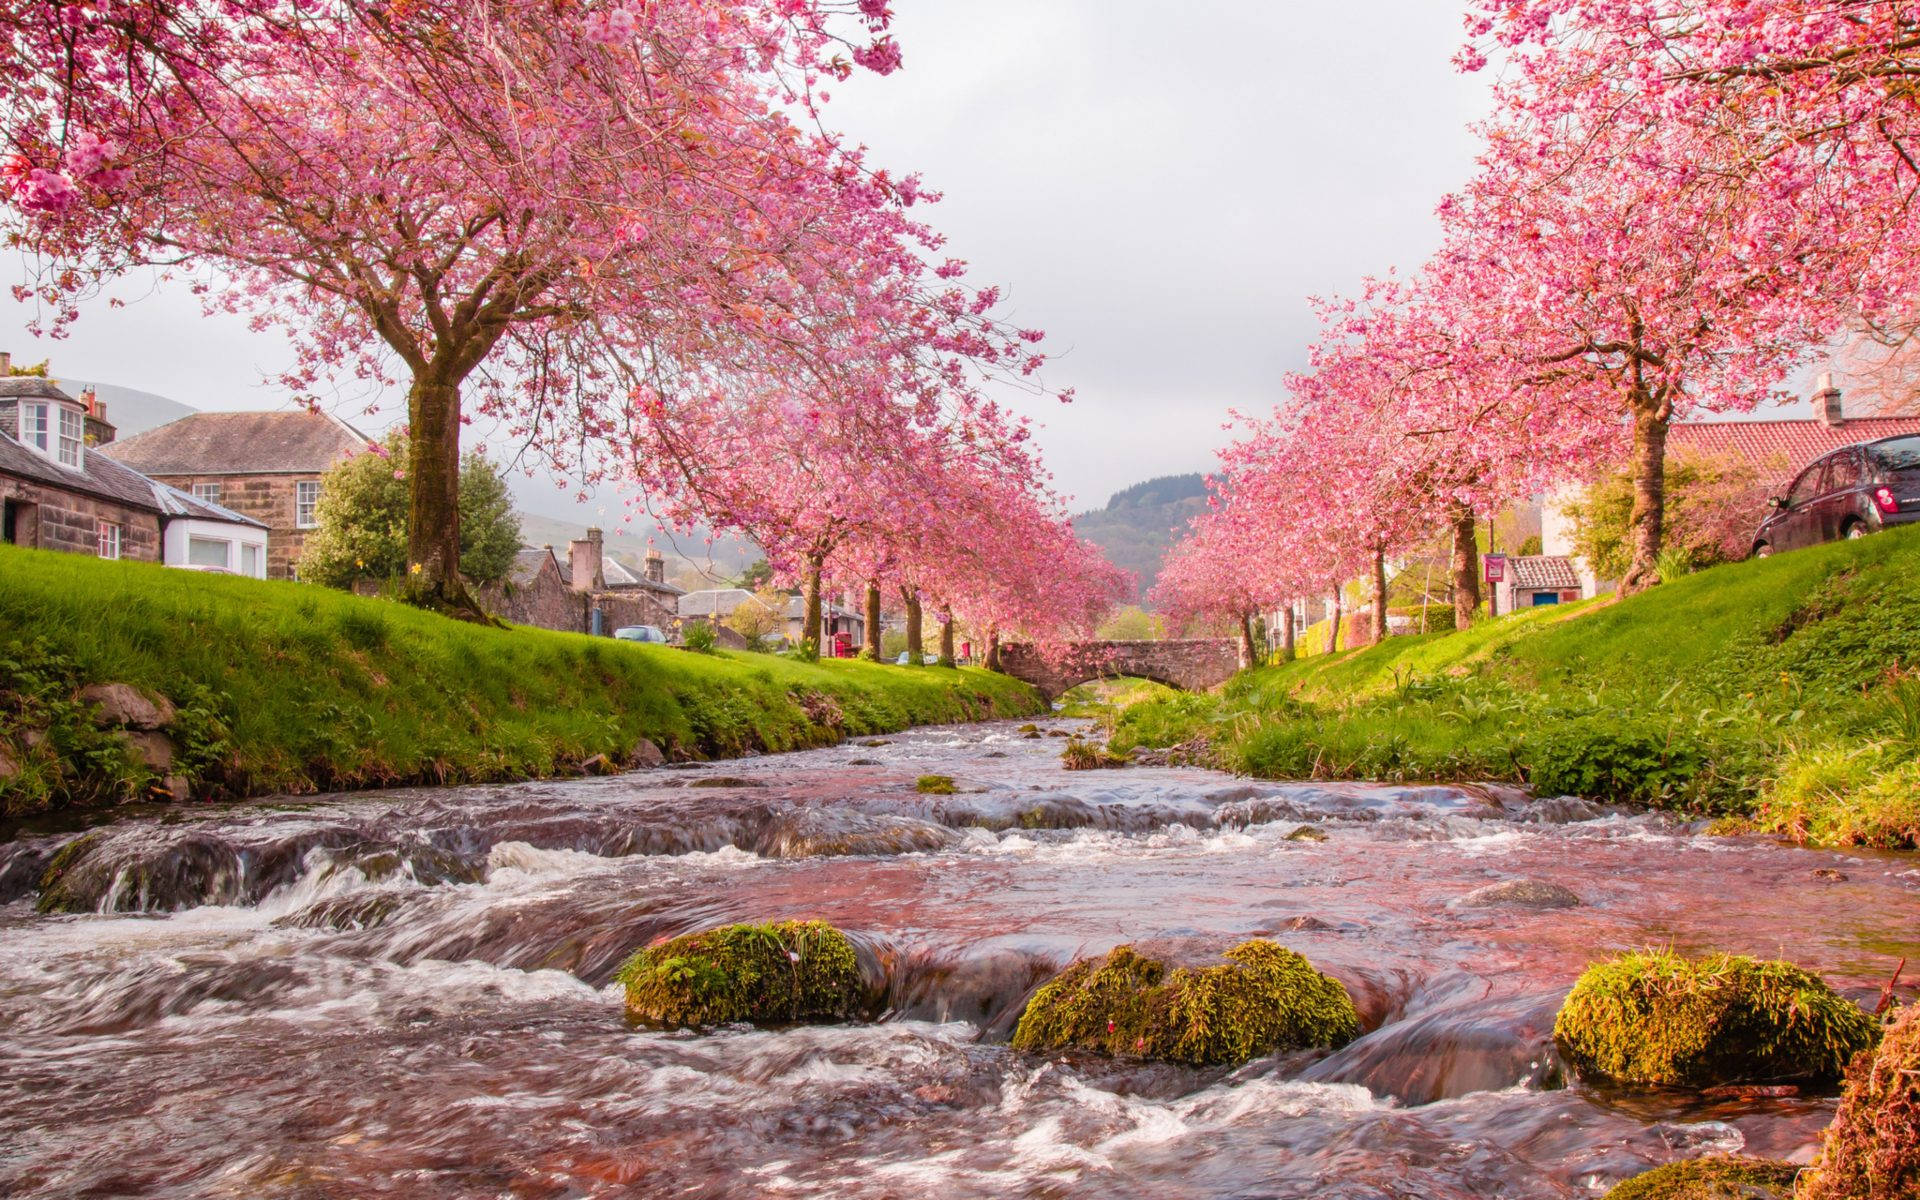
1763	550
1855	530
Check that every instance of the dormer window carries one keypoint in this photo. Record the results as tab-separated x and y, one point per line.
55	430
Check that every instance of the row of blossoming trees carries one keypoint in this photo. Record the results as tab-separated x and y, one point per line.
1675	204
618	228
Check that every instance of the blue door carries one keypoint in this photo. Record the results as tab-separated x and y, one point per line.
1540	598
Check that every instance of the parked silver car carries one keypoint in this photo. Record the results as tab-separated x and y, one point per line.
642	633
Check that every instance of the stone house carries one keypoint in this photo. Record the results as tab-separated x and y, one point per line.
1533	580
262	465
715	605
593	593
58	491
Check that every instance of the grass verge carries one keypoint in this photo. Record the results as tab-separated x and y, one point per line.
286	687
1785	692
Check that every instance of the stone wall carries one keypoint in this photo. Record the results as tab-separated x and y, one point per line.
1192	664
268	499
546	602
67	521
636	606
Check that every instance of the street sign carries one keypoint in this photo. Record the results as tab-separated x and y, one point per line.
1496	567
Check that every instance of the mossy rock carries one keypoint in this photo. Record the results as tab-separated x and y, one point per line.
1264	998
1085	756
1873	1145
1711	1179
55	895
935	785
789	971
1666	1021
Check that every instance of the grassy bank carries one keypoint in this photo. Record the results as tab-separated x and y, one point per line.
1785	691
284	687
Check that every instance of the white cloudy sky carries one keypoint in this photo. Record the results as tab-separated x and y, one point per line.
1160	187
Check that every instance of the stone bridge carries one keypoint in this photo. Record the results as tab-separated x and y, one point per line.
1191	664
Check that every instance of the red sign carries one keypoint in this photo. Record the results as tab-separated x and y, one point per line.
1496	567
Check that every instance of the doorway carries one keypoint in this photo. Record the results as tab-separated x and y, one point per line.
20	524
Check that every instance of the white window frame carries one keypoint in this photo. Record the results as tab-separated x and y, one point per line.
35	426
226	551
306	503
207	493
256	552
71	437
111	533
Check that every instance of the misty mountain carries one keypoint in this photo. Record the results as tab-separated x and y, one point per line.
1141	522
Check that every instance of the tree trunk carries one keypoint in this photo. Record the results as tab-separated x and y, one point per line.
1333	629
916	645
1646	528
1379	596
810	629
873	619
1466	568
946	636
1286	633
433	500
1248	657
993	650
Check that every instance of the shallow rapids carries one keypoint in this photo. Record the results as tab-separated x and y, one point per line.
408	993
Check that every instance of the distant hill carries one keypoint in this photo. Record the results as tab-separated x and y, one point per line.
1141	522
130	410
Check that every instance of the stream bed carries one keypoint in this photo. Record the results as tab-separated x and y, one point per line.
409	993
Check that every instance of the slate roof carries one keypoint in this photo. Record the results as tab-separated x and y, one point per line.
1793	444
294	442
32	386
176	503
1543	571
619	575
713	602
98	476
527	563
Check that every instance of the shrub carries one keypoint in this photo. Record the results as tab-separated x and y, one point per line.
1607	759
1712	505
699	638
1846	796
1659	1019
1264	998
1873	1147
1081	755
790	971
935	785
1713	1178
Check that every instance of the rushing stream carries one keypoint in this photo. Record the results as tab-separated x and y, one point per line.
408	994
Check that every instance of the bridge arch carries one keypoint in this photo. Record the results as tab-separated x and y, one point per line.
1190	664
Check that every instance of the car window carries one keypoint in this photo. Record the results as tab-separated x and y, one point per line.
1807	486
1843	472
1897	454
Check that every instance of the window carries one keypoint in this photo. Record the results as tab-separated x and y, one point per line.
250	560
1807	486
73	436
109	540
36	427
1843	473
209	552
208	493
306	498
1898	454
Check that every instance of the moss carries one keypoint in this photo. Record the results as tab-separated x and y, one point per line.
1264	998
54	895
789	971
1713	1178
935	785
1873	1146
1660	1019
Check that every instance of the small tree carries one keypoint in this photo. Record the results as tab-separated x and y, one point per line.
1132	624
362	518
756	618
1713	504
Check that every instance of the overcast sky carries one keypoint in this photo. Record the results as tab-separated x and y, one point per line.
1159	187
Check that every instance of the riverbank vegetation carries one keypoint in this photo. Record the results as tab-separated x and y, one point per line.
285	687
1782	692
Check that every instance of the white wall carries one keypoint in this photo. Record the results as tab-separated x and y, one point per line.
180	530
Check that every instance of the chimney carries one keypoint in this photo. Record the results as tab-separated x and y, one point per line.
6	364
1826	402
656	567
589	563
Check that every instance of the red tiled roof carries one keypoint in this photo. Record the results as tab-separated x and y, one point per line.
1543	571
1792	444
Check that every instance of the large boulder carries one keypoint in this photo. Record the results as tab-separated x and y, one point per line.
1662	1020
1711	1179
1520	893
1264	998
127	706
789	971
1873	1147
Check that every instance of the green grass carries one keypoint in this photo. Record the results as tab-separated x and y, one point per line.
1772	688
287	687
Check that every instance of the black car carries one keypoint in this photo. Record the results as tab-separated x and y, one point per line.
1848	493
